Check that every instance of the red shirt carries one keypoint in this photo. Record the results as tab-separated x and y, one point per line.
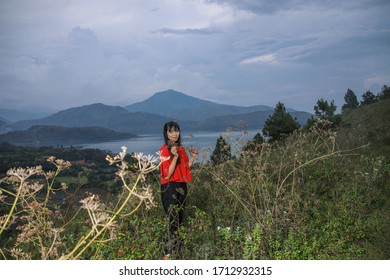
182	171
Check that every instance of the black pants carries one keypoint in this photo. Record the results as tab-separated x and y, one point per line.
173	195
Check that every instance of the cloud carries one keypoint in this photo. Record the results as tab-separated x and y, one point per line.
267	58
272	7
188	31
83	37
58	54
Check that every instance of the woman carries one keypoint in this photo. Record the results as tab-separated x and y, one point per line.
175	174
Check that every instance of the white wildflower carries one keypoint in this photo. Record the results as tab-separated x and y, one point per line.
24	173
146	163
90	203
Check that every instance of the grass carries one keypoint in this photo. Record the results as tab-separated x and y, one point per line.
316	195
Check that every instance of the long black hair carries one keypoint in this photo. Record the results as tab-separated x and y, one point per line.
168	127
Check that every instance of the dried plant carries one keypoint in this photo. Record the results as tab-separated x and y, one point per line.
29	214
103	219
38	225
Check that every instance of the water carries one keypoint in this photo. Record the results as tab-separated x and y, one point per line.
151	143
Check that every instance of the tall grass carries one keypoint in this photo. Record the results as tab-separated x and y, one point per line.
300	199
307	197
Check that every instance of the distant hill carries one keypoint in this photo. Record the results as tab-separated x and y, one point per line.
4	125
254	120
52	135
4	121
150	115
179	106
112	117
199	114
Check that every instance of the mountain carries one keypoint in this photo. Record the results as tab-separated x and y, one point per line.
112	117
254	120
199	114
149	116
179	106
4	125
54	135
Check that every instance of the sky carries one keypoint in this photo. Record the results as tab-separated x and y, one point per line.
60	54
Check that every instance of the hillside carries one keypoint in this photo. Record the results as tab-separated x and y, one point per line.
311	196
179	106
53	135
112	117
253	120
4	125
369	124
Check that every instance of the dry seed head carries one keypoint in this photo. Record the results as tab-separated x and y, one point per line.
24	173
59	163
91	202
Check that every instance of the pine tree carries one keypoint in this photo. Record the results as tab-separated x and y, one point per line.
222	151
385	93
251	145
324	110
279	124
351	101
368	98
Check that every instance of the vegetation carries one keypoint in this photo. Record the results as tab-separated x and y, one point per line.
279	124
222	151
350	99
325	112
318	193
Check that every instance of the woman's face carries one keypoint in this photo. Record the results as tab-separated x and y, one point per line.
173	135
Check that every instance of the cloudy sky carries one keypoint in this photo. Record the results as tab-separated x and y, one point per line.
60	54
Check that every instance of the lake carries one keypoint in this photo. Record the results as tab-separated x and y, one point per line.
151	143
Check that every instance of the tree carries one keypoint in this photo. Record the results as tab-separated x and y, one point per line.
279	124
385	93
351	101
251	145
222	151
324	111
368	98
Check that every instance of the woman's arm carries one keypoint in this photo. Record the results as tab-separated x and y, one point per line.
194	153
173	164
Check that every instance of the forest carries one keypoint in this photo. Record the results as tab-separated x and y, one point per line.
320	191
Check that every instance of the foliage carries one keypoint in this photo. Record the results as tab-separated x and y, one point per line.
34	225
222	151
368	98
368	125
385	93
317	194
350	99
254	143
279	124
324	111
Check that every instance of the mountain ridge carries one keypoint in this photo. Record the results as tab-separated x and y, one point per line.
209	116
113	117
177	105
